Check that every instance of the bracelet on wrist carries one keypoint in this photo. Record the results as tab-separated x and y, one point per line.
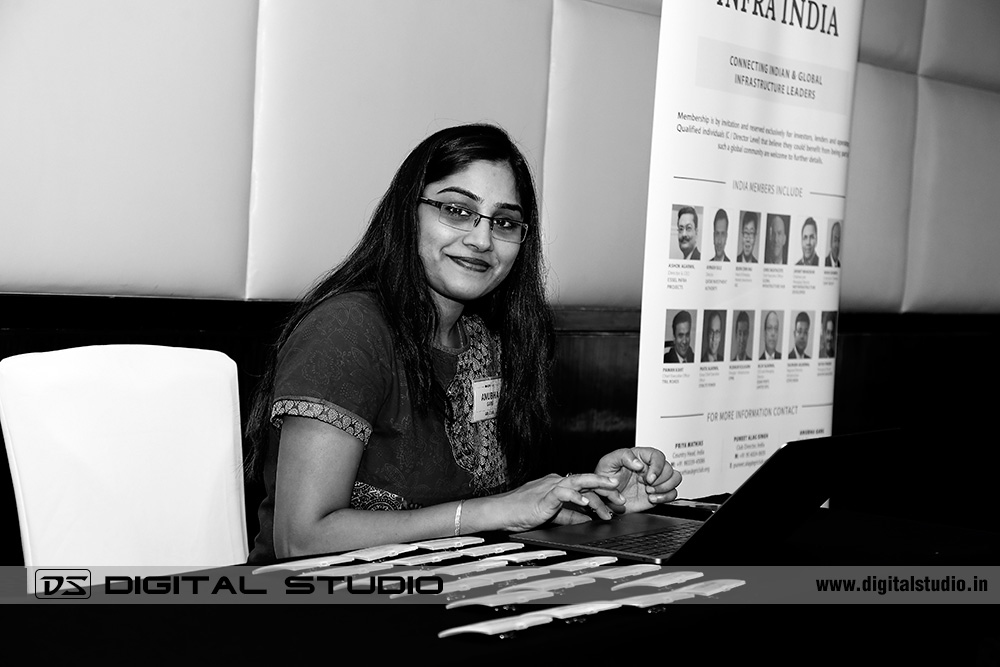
458	518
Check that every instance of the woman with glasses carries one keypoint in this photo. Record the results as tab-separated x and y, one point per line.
413	377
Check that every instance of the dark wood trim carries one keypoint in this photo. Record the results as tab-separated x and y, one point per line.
111	313
918	323
602	320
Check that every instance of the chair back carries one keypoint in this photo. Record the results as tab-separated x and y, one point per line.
125	455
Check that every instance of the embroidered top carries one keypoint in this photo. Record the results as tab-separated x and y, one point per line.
338	367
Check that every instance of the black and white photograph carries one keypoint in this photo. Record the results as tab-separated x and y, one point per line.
685	233
713	344
680	337
749	236
776	245
833	255
476	331
828	335
743	335
720	236
809	235
802	329
770	334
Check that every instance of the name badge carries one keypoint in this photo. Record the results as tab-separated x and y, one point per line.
485	399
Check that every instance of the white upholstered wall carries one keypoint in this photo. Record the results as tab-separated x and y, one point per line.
233	149
346	89
125	146
597	145
921	232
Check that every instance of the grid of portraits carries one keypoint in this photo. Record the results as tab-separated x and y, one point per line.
711	336
700	233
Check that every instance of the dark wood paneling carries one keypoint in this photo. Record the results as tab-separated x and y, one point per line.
933	373
932	376
597	320
595	379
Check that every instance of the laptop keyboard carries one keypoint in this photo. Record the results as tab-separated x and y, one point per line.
659	543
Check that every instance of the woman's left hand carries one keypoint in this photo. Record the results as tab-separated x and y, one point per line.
644	479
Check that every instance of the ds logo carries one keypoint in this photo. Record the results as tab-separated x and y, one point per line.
62	584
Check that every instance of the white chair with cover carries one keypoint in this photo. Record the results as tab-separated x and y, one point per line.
125	456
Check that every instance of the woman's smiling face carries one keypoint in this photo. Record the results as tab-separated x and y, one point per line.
464	266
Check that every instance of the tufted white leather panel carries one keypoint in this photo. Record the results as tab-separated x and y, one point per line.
962	42
346	89
127	132
600	119
125	144
891	31
876	219
954	241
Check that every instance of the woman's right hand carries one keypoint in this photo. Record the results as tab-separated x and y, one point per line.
541	500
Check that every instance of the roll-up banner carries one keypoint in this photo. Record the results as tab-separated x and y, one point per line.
744	226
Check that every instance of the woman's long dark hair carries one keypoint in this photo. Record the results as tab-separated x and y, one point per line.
386	262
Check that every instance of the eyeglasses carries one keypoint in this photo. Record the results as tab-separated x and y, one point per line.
461	218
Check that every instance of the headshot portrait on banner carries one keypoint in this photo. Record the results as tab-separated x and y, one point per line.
678	346
720	236
743	335
833	256
776	246
770	335
800	345
749	226
686	226
713	344
810	236
828	335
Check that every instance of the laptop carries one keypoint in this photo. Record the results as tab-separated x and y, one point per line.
789	487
